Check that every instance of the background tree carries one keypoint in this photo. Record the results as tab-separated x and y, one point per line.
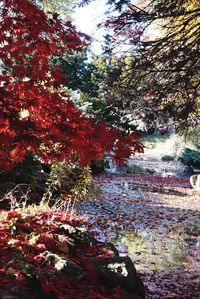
63	7
98	82
117	90
163	37
81	72
113	93
91	77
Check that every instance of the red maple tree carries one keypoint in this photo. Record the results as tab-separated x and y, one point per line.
34	115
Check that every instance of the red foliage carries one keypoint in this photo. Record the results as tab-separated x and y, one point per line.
24	255
52	126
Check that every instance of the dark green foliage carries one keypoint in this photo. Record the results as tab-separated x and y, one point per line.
25	182
190	158
25	172
80	73
97	166
92	78
135	169
167	158
114	116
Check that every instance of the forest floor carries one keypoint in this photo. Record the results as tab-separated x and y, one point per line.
156	221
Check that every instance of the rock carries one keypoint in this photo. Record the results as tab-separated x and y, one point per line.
130	296
119	271
193	230
108	247
13	294
69	268
135	169
65	266
187	170
39	189
167	158
36	193
195	181
150	171
79	235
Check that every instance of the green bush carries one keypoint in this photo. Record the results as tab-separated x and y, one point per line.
97	166
23	173
135	169
190	157
67	181
167	158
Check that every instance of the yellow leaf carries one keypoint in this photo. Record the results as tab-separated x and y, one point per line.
63	247
10	271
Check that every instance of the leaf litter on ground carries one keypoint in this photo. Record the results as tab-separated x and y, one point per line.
156	221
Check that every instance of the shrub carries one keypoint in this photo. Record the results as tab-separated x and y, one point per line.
135	169
97	165
190	157
67	181
167	158
24	172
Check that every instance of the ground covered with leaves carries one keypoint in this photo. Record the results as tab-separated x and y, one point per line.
156	221
48	254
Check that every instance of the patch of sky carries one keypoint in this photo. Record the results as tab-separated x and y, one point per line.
86	20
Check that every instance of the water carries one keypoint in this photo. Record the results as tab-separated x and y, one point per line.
151	251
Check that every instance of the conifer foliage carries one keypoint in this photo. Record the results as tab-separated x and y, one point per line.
34	115
162	36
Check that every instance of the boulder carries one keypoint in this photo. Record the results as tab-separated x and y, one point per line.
150	171
65	266
119	271
195	181
69	268
13	294
167	158
79	235
107	247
